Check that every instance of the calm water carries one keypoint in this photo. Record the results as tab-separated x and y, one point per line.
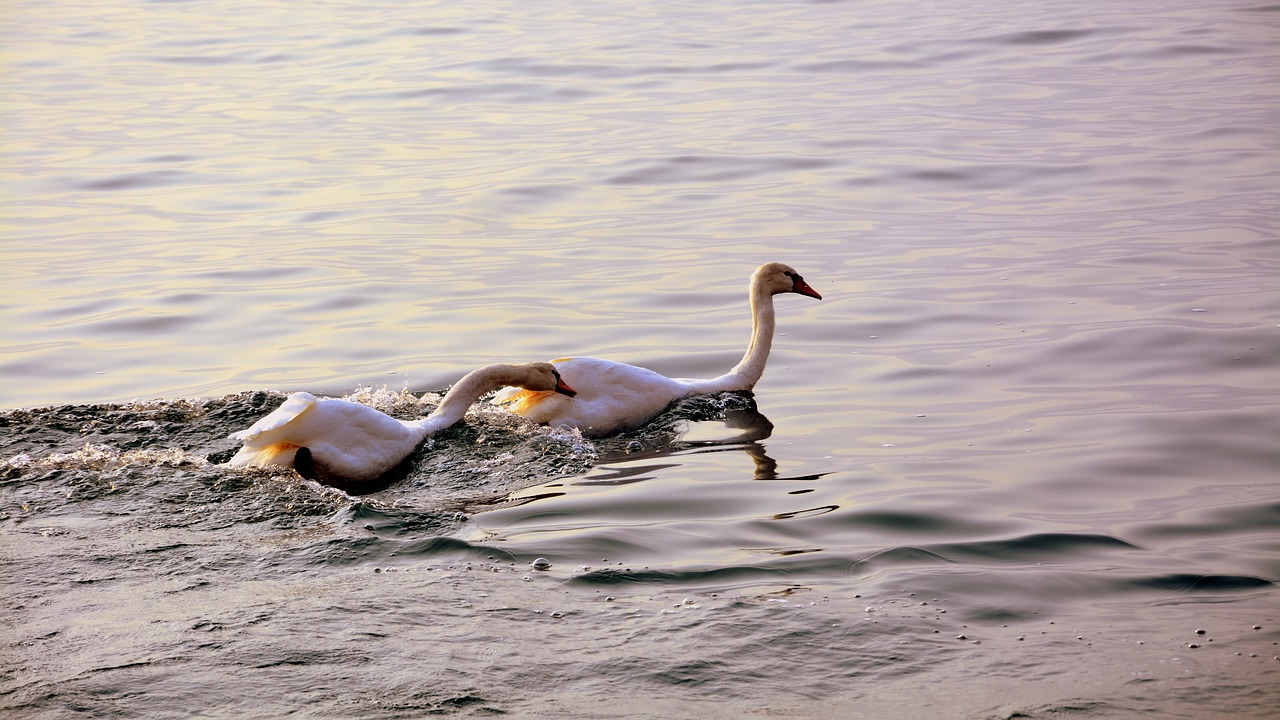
1021	460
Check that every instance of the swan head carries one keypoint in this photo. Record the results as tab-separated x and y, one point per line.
543	376
777	278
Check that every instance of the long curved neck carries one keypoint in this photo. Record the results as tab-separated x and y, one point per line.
463	394
747	372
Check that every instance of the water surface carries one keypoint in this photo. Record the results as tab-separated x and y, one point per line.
1010	465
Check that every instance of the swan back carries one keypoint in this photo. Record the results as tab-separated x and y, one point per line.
610	396
347	440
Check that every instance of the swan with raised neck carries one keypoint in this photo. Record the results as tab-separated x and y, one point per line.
613	397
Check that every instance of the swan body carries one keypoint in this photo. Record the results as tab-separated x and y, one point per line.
344	441
613	397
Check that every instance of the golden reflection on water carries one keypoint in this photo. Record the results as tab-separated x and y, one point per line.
334	191
1044	235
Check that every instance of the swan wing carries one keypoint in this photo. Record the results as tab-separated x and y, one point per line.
512	394
293	408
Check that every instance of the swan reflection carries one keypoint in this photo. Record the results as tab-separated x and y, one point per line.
662	453
625	463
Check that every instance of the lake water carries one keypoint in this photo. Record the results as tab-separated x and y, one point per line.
1020	461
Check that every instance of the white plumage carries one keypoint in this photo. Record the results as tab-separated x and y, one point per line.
346	441
613	397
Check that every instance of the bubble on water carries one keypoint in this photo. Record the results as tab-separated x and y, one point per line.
540	564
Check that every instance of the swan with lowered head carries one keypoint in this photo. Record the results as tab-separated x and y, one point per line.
339	440
613	396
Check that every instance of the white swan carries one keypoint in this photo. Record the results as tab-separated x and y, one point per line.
613	397
343	441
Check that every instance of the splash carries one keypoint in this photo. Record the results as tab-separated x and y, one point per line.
104	458
393	402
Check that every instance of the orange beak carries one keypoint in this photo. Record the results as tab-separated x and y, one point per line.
802	287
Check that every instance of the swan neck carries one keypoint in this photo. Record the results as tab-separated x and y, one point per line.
465	392
762	326
747	372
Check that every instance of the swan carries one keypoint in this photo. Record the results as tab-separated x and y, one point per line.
613	397
343	441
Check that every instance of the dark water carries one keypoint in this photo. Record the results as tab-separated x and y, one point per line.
147	582
1021	461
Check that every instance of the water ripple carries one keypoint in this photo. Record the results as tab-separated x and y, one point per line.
1028	433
